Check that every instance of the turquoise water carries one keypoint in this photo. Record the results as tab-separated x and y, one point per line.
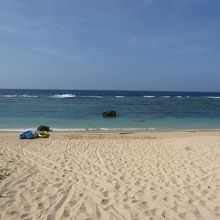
81	110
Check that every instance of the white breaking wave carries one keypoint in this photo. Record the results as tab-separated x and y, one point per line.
69	129
28	96
63	96
149	96
20	96
213	97
121	129
92	96
99	129
9	96
152	129
119	96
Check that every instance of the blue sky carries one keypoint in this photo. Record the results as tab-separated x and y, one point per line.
117	44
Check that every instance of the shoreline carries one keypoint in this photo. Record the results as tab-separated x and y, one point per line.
53	135
113	130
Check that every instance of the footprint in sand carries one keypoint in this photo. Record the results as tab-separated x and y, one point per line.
72	203
57	185
66	213
40	205
52	198
24	216
104	202
143	205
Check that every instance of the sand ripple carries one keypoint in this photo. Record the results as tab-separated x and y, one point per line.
111	177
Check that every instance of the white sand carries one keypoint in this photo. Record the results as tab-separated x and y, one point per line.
111	176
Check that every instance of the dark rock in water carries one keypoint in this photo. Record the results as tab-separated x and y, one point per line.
109	114
43	128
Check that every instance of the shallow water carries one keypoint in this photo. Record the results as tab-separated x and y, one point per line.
82	109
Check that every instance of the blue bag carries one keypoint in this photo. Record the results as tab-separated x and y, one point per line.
28	135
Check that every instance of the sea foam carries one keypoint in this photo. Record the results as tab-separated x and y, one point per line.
119	96
8	96
149	96
213	97
92	96
63	96
28	96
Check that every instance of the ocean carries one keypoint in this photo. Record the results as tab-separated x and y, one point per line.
81	110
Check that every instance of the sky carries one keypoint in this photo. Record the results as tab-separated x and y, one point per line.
165	45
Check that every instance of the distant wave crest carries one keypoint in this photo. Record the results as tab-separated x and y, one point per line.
28	96
149	96
92	96
213	97
20	96
9	96
119	96
63	96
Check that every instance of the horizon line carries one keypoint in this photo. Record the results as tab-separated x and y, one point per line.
125	90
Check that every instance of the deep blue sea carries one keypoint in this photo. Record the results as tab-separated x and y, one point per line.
82	110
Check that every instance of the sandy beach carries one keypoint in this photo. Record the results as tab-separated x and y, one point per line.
174	175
